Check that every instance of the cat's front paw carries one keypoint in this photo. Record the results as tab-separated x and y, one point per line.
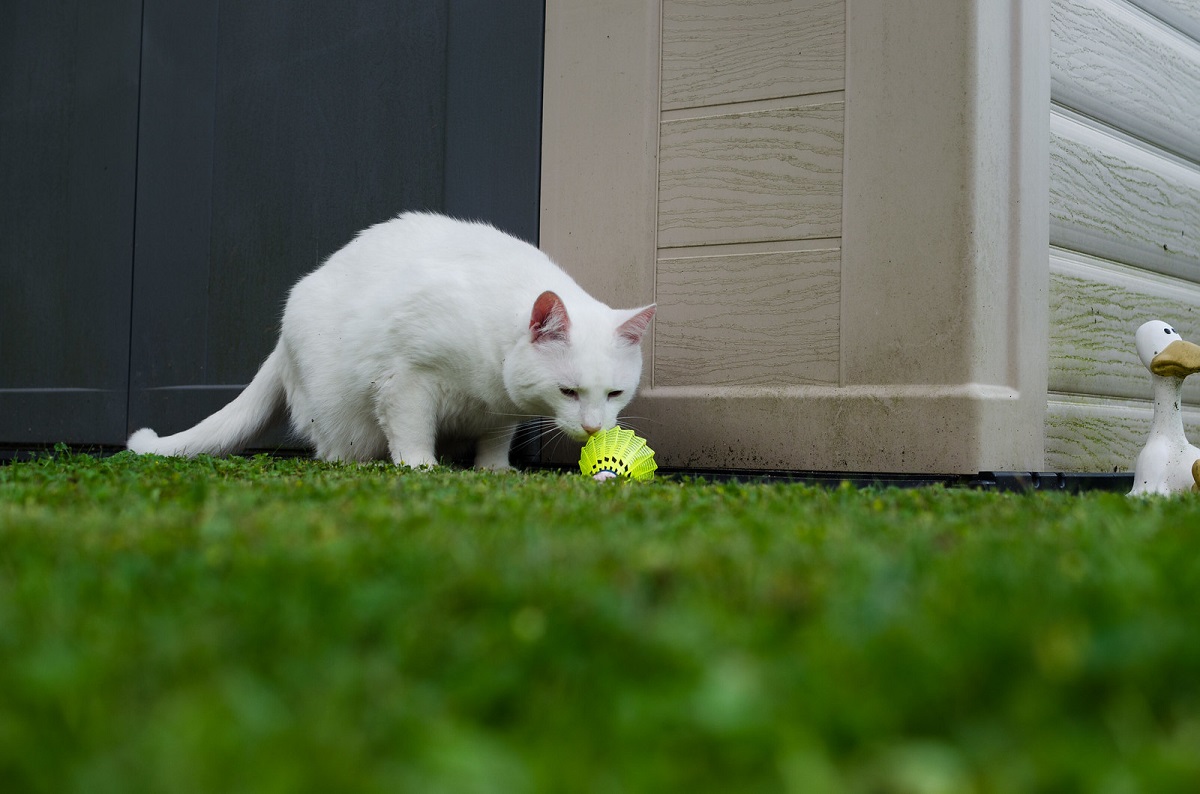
422	467
417	462
505	466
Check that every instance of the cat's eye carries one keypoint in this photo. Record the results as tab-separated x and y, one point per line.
612	395
571	393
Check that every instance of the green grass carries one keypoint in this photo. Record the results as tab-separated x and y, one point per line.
275	626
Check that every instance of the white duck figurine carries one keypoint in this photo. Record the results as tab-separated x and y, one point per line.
1168	463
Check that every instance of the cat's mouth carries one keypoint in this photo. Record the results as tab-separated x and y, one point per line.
573	431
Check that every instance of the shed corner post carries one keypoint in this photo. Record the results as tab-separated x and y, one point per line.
946	226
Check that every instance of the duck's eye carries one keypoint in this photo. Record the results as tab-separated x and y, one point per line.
570	393
1168	330
612	395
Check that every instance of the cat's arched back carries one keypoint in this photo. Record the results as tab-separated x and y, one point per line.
426	326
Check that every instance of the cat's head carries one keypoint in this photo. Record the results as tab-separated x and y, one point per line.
579	368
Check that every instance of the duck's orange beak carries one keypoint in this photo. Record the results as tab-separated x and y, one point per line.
1178	360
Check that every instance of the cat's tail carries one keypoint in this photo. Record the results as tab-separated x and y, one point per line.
229	429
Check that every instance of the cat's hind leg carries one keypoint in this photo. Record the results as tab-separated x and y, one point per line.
406	408
491	451
345	429
353	449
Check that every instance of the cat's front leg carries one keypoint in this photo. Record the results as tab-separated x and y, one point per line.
407	414
491	450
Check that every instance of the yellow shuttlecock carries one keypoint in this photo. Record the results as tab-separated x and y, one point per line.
617	453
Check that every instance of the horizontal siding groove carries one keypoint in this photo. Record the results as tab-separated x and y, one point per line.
1182	15
1153	13
1117	200
1148	148
58	390
718	51
1119	405
879	393
1113	62
1109	270
1086	434
1096	307
753	106
1099	402
763	318
767	247
751	177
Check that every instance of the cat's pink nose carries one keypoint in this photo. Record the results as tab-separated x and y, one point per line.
591	430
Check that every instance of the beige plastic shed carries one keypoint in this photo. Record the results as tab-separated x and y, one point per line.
902	236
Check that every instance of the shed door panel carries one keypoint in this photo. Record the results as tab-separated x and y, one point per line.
68	128
271	132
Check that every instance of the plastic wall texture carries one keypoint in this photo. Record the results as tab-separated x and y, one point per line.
841	209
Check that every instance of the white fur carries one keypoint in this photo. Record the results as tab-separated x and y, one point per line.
422	327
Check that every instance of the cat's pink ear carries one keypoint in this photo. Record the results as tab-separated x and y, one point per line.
633	329
549	321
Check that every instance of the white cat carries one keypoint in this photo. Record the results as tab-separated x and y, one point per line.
425	326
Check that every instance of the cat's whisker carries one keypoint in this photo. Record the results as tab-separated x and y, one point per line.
522	445
528	428
547	437
529	432
523	428
528	442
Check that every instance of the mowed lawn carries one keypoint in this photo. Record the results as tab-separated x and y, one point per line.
262	625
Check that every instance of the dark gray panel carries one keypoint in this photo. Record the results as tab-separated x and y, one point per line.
279	131
68	127
494	126
330	117
169	338
73	416
200	401
494	113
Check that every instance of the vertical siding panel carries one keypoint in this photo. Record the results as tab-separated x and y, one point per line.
745	161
